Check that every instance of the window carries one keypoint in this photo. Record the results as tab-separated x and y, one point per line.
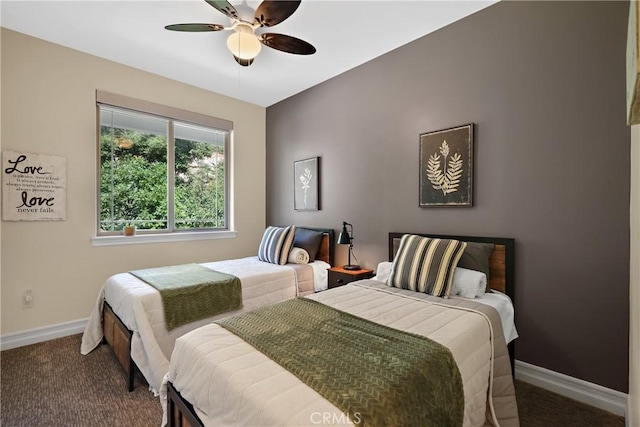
161	169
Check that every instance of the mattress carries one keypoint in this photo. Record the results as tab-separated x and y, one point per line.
139	306
230	383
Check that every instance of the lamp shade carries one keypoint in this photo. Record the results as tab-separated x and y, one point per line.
343	237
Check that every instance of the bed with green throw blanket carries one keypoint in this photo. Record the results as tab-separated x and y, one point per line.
234	381
140	308
192	292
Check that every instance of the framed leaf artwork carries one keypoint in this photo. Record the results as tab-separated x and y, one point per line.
446	167
306	184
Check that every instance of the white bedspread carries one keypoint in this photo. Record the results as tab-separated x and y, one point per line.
139	306
231	383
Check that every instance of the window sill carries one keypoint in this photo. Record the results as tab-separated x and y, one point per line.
139	239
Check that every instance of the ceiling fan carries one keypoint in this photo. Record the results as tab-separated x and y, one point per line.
244	43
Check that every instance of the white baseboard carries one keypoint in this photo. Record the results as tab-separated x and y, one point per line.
573	388
45	333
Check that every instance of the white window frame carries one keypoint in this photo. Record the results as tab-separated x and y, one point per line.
172	114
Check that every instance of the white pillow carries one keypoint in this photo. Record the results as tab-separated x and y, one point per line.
468	283
384	271
298	256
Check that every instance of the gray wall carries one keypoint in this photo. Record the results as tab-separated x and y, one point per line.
544	84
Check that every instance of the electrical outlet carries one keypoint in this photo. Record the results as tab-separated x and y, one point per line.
27	299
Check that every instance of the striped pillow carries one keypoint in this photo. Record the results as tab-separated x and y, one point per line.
425	264
276	244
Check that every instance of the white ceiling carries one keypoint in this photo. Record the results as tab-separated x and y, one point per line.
345	34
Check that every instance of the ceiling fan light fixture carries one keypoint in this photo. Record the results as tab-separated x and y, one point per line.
243	43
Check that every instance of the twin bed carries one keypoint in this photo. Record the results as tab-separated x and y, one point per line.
216	377
129	313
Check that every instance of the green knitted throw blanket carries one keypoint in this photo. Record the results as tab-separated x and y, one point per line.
192	292
376	375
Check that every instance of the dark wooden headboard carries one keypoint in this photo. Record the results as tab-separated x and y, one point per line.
501	262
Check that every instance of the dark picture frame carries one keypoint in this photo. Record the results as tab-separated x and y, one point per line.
446	167
306	184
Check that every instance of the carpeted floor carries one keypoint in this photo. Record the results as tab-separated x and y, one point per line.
540	408
52	384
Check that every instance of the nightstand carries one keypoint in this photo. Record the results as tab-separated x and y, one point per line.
338	276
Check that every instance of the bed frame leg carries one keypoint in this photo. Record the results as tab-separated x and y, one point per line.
131	377
512	358
171	408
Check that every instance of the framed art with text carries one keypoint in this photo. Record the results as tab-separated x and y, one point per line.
446	167
34	187
306	184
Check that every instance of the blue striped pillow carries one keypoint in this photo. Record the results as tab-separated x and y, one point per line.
276	244
424	264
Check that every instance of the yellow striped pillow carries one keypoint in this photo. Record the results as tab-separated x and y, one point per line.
425	264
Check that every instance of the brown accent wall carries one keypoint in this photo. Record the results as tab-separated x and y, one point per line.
544	84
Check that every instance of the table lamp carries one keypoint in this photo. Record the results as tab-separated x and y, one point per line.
346	238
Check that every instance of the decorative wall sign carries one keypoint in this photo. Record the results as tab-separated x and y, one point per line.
306	194
446	167
34	187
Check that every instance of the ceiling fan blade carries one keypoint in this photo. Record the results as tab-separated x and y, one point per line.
244	62
194	27
273	12
224	7
287	44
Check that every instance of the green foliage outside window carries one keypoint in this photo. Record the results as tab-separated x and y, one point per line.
133	187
